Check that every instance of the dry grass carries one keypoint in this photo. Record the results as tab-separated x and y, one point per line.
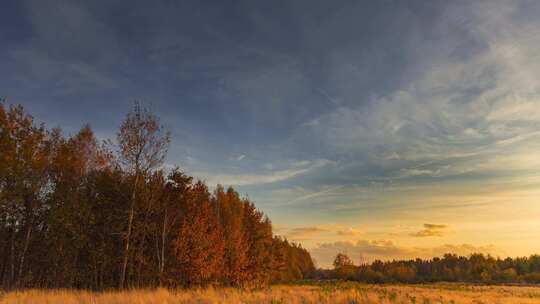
328	293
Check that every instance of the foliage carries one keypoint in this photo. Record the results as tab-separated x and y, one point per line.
476	268
74	214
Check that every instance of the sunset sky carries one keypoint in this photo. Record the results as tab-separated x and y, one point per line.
382	129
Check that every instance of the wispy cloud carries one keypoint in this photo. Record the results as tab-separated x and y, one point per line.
348	232
303	233
319	232
266	177
459	109
431	230
315	194
240	157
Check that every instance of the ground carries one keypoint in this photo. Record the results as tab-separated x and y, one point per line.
349	293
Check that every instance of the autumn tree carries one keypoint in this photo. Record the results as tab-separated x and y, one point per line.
24	157
105	191
143	144
259	241
230	215
69	210
342	260
199	244
171	209
290	262
68	207
344	267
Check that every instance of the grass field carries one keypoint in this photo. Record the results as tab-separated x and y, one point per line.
349	293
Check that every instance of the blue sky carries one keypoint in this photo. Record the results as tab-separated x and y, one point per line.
383	129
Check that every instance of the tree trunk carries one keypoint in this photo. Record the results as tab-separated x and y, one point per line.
163	239
158	255
23	254
5	249
12	270
128	234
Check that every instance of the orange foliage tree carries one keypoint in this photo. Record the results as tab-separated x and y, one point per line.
73	214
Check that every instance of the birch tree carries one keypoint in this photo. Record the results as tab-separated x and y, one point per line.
143	144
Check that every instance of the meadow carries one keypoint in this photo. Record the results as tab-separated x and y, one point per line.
346	293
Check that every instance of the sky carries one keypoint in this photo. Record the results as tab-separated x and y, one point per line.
381	129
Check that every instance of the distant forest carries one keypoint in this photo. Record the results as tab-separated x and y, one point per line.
477	268
79	213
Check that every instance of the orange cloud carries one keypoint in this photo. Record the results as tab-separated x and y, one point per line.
348	232
430	230
303	233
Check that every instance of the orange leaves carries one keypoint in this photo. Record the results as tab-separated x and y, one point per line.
199	247
65	203
143	142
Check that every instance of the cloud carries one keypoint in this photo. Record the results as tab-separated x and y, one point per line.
270	176
249	179
316	233
393	156
316	194
459	109
348	232
303	233
434	226
418	172
240	157
430	230
370	250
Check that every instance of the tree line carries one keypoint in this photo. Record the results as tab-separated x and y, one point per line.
79	213
476	268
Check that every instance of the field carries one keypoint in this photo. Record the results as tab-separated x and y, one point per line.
349	293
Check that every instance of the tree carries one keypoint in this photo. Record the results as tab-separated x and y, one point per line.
143	146
24	154
68	206
403	273
69	210
342	260
199	244
231	215
344	267
169	213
